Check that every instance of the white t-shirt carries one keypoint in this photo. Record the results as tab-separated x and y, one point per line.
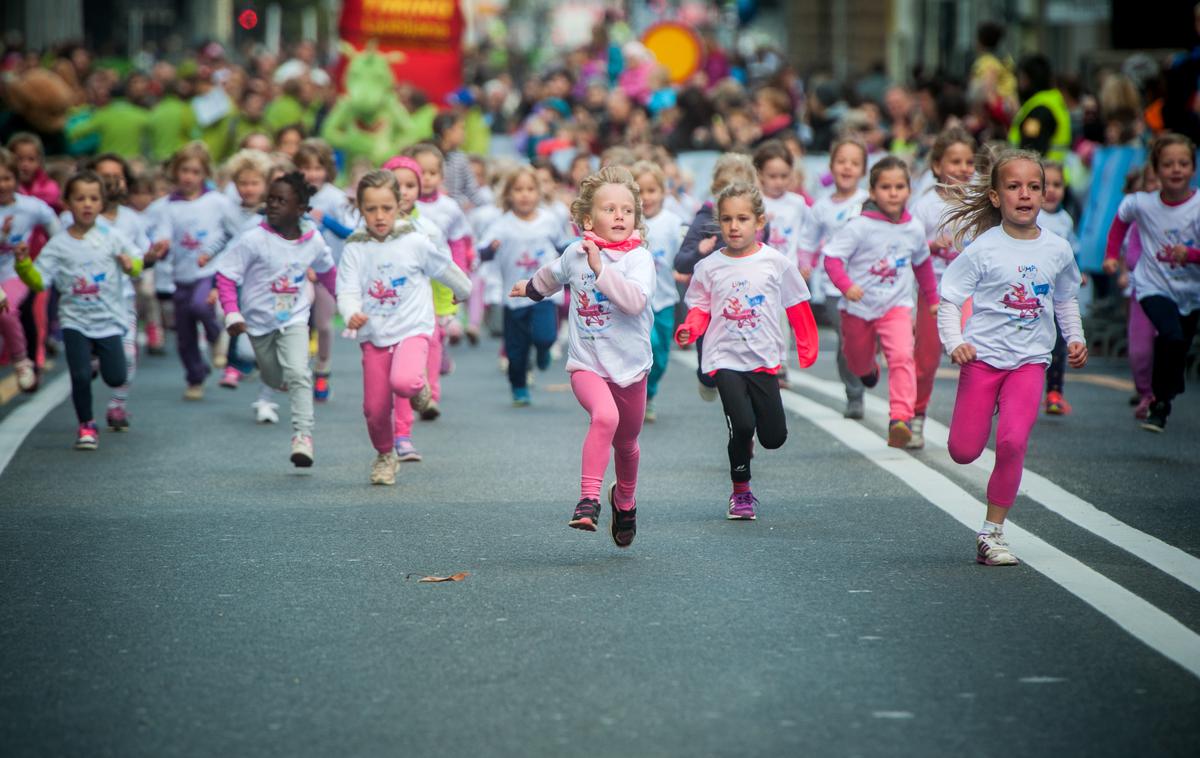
1061	223
828	217
271	272
602	338
131	225
787	217
879	256
524	247
204	225
664	235
333	204
88	279
746	297
390	282
18	219
1161	226
447	215
1013	284
928	209
157	229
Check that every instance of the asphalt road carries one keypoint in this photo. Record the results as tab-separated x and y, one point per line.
185	591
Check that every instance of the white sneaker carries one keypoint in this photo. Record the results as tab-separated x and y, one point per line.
302	450
991	549
917	425
26	375
502	364
421	400
707	394
383	470
265	412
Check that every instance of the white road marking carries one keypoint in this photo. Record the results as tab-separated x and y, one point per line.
17	426
1166	558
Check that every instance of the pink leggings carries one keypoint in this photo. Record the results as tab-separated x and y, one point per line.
928	351
11	332
895	333
1017	393
389	373
1141	335
616	421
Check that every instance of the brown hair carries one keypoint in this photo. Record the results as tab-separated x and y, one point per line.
426	148
192	151
887	163
740	189
510	180
8	160
27	138
608	175
85	177
1165	140
317	150
970	211
947	138
770	150
380	178
730	168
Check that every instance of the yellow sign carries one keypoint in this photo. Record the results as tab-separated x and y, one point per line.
675	46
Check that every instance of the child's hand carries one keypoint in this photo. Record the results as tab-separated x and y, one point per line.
21	250
125	262
203	259
806	272
1110	265
683	336
158	251
356	321
212	296
706	245
855	293
236	329
592	251
963	354
518	289
1077	355
934	308
1179	253
317	215
1123	280
311	275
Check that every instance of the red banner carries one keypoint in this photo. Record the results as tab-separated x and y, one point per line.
427	32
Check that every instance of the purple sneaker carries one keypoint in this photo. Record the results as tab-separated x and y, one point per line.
741	506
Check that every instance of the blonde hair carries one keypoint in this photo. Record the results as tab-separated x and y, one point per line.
730	168
591	185
192	151
380	178
970	212
653	169
510	180
281	163
740	189
248	160
947	138
841	142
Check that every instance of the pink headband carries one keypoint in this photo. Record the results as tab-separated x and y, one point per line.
403	161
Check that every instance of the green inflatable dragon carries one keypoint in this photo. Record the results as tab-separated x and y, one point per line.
368	122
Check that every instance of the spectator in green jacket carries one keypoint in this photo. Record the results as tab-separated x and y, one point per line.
172	122
122	125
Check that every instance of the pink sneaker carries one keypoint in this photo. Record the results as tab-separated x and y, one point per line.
1143	407
230	377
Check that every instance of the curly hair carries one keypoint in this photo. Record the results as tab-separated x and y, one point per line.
584	204
248	160
304	191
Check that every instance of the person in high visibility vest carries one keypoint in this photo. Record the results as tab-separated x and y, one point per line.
1043	123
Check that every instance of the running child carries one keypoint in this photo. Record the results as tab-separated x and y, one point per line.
526	238
269	264
1021	280
611	276
314	158
1055	218
745	286
1167	277
20	216
952	162
33	180
874	260
664	235
848	165
787	211
87	263
384	294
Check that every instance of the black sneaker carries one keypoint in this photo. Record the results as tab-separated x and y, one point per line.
587	515
871	379
624	523
1156	419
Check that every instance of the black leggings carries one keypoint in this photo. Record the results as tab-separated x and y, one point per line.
1058	363
1171	345
752	403
79	350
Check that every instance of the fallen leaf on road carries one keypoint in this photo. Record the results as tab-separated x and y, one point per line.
452	578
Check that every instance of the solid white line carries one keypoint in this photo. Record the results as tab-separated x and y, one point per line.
18	425
1135	615
1166	558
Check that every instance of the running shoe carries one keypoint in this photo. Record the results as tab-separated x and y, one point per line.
587	515
899	433
1056	404
321	389
624	523
88	437
742	507
917	427
1143	407
27	378
521	397
406	452
871	379
230	377
265	412
651	412
302	450
707	394
473	335
117	418
194	392
383	470
155	343
1156	417
854	409
991	549
420	401
431	412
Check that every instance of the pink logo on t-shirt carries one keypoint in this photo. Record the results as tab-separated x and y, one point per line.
885	270
1028	307
382	293
527	262
742	315
593	314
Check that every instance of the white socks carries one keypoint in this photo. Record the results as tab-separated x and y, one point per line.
990	526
